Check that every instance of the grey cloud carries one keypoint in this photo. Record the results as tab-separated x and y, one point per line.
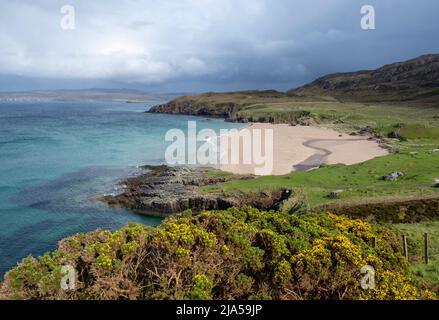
206	44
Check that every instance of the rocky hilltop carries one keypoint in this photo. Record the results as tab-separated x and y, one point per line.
416	79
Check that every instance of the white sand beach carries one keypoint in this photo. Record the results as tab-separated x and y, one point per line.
303	148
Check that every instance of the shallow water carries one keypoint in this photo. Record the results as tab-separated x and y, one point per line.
56	156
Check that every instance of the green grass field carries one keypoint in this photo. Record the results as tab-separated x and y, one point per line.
412	121
358	182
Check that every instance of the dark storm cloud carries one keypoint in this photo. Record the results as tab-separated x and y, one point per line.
206	44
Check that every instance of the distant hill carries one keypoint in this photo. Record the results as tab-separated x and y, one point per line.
416	79
406	82
126	95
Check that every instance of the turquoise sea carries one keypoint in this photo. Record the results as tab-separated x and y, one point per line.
56	156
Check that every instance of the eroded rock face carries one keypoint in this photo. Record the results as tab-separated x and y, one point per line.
167	190
193	107
218	105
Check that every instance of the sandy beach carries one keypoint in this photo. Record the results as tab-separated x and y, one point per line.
303	148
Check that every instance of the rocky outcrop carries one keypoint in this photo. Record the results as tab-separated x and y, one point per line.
191	107
394	176
220	105
167	190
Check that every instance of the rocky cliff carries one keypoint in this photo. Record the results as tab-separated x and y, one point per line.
221	105
166	190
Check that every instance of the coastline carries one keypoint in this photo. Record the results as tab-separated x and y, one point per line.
163	190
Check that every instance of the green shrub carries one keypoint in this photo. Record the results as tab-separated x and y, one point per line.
234	254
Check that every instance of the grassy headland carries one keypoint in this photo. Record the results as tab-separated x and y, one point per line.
398	104
357	183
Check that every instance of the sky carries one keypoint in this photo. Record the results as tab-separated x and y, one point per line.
204	45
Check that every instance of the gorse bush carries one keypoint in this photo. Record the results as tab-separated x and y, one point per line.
234	254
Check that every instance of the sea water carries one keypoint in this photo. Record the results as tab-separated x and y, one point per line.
55	157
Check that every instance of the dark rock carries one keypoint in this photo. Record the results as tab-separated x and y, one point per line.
335	194
366	131
167	190
394	135
394	176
